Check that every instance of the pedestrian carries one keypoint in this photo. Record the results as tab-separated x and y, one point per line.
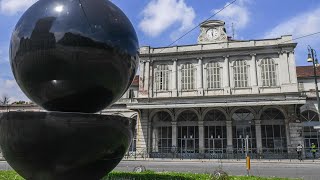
299	151
313	150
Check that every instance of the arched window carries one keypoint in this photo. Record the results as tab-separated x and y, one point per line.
187	77
188	116
162	133
268	72
214	115
273	131
310	134
214	78
188	132
243	127
309	116
162	77
215	132
272	114
240	73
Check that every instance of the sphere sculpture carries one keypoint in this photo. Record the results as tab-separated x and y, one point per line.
72	57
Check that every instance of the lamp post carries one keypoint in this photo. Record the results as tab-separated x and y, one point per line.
312	57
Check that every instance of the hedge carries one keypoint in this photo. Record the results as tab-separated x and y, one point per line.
147	175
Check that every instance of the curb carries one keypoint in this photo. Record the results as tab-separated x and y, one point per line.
284	161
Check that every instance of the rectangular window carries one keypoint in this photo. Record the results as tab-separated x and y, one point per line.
187	77
162	78
213	71
240	74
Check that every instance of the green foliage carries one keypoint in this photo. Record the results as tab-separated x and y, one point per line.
9	175
147	175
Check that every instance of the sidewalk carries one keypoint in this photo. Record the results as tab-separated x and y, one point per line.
284	161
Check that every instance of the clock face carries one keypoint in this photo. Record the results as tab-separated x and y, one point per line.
212	34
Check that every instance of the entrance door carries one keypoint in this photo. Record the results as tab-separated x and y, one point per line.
215	146
242	132
188	145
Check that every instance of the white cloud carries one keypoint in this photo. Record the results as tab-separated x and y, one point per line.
237	13
4	54
159	15
298	26
12	90
11	7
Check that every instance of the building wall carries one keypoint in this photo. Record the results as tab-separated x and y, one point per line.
252	52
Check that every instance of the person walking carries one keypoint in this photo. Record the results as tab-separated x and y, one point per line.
299	151
313	150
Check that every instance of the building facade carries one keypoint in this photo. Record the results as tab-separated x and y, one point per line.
217	97
206	99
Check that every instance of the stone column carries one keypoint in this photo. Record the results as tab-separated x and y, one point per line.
200	77
174	78
201	136
174	133
229	136
292	68
286	121
253	70
226	76
155	139
258	135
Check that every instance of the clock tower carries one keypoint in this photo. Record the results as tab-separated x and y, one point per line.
212	31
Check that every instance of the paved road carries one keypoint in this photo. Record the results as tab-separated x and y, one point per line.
305	170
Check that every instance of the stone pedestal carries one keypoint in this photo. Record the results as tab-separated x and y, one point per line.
64	146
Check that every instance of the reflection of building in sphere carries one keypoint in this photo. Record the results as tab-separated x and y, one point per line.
67	64
41	37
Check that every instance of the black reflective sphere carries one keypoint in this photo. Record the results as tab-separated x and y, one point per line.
74	56
64	146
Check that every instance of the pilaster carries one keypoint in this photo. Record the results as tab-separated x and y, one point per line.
200	77
143	128
147	76
253	70
292	67
226	76
284	68
174	78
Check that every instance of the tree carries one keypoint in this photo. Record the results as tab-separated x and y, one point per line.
4	100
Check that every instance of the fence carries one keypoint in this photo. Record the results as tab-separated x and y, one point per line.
232	153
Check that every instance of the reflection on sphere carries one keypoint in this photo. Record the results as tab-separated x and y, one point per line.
74	57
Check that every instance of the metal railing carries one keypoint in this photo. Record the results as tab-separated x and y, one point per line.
225	153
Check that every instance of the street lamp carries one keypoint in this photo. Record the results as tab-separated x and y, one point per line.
312	57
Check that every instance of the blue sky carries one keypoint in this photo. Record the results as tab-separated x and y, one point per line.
160	22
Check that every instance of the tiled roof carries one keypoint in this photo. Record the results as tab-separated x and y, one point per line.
306	71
